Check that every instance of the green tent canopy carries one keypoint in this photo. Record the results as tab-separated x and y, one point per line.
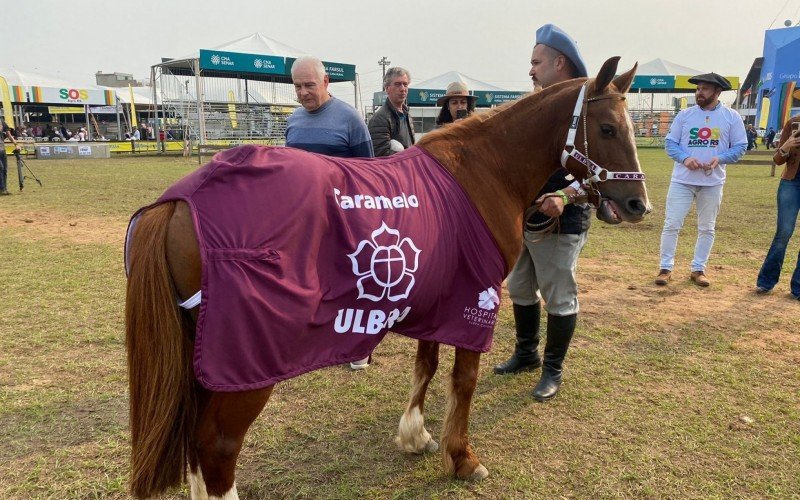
661	76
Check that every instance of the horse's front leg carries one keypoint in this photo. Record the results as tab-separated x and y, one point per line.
412	436
458	456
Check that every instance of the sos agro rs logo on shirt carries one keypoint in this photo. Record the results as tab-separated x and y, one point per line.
705	137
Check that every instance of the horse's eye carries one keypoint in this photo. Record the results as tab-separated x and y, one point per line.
608	130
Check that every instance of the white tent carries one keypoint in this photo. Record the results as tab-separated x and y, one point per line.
252	44
20	78
445	79
664	67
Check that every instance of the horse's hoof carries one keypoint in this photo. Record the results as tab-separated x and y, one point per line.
480	473
432	446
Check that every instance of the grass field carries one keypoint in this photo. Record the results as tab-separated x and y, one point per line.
674	392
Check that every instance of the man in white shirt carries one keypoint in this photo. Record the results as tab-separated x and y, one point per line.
702	140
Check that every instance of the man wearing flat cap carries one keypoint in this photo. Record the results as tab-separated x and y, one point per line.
702	140
547	264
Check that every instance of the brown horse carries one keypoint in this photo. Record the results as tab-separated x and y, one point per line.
500	159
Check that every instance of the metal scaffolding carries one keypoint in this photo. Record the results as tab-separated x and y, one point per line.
199	105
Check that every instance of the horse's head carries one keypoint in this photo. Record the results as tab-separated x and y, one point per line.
604	149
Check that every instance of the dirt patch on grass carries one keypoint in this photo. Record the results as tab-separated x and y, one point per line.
621	293
81	230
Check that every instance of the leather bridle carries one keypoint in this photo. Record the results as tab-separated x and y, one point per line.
594	172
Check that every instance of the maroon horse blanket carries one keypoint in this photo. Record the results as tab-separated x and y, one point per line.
308	261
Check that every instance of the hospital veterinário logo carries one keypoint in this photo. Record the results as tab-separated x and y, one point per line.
385	265
484	314
488	299
704	137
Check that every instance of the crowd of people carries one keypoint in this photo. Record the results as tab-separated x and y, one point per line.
49	132
60	132
546	269
702	141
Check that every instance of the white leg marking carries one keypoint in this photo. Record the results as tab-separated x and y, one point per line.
197	485
231	494
412	437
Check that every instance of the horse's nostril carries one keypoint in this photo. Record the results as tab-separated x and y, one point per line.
637	206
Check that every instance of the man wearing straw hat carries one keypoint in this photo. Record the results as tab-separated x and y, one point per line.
456	103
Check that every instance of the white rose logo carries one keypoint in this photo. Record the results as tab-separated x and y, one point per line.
488	299
385	265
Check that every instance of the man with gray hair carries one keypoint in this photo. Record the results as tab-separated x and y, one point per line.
392	122
324	124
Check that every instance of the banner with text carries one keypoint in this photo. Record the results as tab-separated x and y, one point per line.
337	72
243	63
67	96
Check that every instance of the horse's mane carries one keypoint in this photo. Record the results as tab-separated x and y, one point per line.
534	102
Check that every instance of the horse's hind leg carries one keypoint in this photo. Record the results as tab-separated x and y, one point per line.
458	456
412	436
224	418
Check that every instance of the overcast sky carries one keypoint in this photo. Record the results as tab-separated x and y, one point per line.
487	40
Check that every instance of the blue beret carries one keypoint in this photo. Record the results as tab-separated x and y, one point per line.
554	37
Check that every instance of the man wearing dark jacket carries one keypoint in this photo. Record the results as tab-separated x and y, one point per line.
392	121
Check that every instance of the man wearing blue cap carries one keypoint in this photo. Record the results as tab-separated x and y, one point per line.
546	266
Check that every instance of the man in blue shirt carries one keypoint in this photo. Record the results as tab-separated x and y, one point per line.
324	124
702	140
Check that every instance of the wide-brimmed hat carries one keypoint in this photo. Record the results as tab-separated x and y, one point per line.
712	78
456	89
554	37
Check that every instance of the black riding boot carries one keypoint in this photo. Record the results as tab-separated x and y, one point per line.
526	354
559	334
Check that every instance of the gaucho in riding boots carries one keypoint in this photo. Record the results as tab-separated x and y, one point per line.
559	335
526	354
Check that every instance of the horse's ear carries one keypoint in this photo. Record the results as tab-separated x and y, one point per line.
623	82
606	74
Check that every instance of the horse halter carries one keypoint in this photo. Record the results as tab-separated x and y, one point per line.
596	173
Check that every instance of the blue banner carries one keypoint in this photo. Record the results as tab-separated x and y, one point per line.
424	97
493	98
486	98
337	72
653	82
243	63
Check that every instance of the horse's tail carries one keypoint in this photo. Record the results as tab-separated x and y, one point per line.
161	380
